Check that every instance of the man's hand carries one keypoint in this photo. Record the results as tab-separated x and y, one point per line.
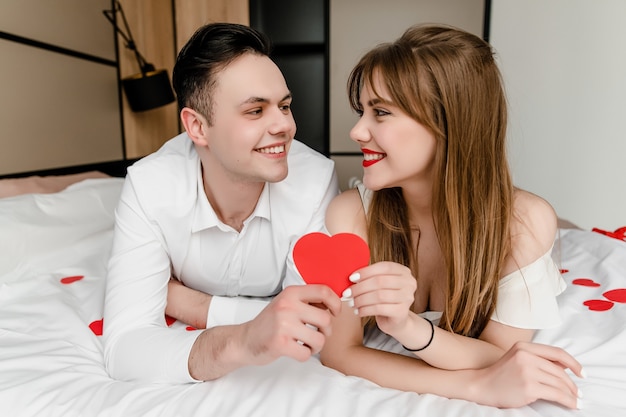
295	324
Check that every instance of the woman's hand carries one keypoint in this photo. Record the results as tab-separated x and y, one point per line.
526	373
385	290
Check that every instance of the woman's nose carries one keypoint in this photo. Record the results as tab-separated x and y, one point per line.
359	132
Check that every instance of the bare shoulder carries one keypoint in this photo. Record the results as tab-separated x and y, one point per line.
533	228
345	213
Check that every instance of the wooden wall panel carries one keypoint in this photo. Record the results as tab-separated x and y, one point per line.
74	112
152	26
57	110
156	33
191	14
73	24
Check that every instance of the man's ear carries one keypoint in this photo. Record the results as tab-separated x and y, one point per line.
196	126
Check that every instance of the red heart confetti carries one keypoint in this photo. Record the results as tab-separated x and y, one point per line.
563	271
619	234
598	305
585	282
618	295
329	260
96	327
69	280
169	320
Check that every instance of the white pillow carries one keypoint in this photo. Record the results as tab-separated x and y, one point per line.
34	226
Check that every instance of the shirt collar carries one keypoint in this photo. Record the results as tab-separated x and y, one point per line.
205	217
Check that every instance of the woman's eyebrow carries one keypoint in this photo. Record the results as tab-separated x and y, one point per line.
373	102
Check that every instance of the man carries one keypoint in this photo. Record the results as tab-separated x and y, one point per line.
217	209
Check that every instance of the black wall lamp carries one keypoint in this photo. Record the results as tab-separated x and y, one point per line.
150	88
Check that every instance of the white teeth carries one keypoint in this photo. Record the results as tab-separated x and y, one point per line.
373	156
272	149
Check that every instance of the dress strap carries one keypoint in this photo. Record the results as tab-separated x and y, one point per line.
366	195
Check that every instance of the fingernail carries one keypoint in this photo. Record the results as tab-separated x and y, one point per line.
583	373
350	300
356	311
347	293
579	404
579	393
354	277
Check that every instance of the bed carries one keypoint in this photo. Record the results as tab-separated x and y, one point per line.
54	244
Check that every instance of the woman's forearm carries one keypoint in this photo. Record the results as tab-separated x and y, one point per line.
526	373
403	373
447	350
187	305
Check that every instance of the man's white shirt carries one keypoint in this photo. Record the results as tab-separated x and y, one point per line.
165	226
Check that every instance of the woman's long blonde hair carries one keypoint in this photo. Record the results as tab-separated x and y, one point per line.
447	80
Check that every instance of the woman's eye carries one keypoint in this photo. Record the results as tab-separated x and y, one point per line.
381	112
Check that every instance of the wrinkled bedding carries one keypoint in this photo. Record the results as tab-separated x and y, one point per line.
53	253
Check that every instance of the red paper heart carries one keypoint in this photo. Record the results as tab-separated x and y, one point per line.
585	282
598	305
96	327
618	295
69	280
329	260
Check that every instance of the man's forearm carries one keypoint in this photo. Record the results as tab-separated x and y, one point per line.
216	352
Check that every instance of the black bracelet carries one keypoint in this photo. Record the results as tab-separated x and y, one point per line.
432	335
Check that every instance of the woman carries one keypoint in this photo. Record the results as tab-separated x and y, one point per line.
447	232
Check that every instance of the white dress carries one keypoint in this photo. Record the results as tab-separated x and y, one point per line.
526	297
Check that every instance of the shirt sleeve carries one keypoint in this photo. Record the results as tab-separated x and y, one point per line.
138	345
225	311
527	297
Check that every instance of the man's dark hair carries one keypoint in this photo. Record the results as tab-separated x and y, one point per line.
209	50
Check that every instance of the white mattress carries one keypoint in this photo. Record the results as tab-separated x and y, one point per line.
51	360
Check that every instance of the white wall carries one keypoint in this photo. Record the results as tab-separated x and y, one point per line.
358	25
564	64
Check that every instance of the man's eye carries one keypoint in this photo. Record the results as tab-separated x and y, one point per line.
285	107
254	112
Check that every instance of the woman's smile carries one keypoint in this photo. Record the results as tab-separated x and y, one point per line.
371	157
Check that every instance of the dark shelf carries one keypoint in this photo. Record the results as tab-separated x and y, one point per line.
298	30
298	48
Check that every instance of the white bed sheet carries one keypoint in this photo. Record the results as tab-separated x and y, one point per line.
53	253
